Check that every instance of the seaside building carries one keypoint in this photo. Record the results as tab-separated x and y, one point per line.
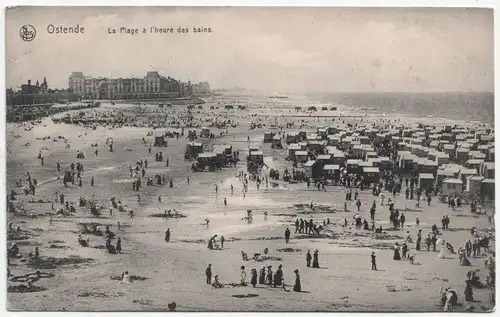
38	94
202	88
152	86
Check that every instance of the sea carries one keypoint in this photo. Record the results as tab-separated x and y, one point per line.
469	106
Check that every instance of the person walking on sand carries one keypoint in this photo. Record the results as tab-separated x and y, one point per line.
92	181
262	275
216	189
225	202
119	227
188	180
287	235
110	212
232	190
308	258
254	277
316	259
208	274
119	245
374	263
297	287
269	276
131	213
243	276
167	235
139	199
222	242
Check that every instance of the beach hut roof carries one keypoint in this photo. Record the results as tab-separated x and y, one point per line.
276	137
452	181
442	154
446	172
256	153
207	154
309	163
324	157
488	181
476	178
468	171
426	176
331	167
299	153
316	142
475	161
486	137
371	169
294	146
489	165
430	163
353	162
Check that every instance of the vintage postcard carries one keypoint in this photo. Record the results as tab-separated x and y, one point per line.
250	159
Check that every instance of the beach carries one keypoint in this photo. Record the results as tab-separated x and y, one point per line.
174	271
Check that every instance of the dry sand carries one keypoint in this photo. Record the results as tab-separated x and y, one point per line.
175	270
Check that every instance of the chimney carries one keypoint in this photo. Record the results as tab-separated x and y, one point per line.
29	82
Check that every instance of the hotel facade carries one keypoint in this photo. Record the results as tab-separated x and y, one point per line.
152	86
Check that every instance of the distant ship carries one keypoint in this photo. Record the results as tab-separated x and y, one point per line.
278	97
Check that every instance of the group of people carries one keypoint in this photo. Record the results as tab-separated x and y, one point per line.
265	276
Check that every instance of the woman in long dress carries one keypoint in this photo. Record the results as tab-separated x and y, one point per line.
269	276
442	249
316	259
119	245
262	276
297	287
468	291
463	260
254	277
397	256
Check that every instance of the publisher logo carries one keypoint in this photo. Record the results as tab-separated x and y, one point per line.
27	33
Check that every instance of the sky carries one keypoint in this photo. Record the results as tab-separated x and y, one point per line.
272	49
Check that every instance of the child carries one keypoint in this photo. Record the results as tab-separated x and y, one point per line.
412	258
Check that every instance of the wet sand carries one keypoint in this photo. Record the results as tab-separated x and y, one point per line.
175	270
